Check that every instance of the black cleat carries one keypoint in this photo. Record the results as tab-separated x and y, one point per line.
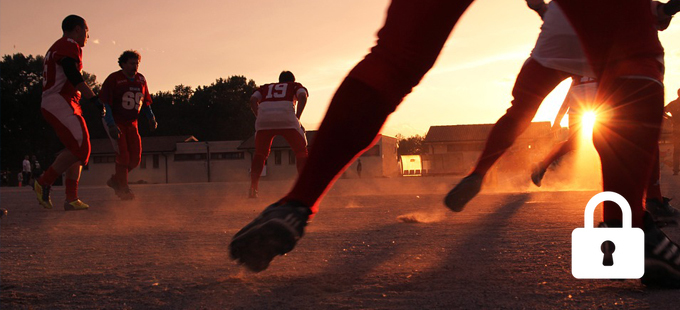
252	193
467	189
274	232
662	257
537	175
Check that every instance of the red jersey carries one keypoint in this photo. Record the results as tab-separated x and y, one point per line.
125	96
54	79
277	105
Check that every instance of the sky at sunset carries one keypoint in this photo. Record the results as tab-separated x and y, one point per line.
195	42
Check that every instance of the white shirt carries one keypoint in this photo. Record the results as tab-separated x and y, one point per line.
558	47
27	165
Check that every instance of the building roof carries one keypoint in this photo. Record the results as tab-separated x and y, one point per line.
149	144
478	132
278	143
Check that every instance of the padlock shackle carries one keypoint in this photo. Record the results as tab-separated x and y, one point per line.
608	196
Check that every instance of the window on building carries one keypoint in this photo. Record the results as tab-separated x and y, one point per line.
277	158
190	157
156	161
227	155
142	163
291	157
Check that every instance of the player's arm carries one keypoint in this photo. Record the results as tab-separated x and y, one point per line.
664	13
538	6
73	75
255	101
146	108
104	98
301	102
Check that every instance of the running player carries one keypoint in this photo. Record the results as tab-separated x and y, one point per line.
278	108
127	93
408	45
556	56
63	86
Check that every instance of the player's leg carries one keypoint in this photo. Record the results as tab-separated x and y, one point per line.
655	203
562	148
120	178
627	144
534	82
133	145
72	175
298	143
408	45
72	132
263	144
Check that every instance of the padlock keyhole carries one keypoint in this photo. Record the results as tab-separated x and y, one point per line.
608	249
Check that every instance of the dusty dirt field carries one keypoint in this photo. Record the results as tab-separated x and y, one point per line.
168	249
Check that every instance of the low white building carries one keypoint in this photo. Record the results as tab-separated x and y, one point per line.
184	159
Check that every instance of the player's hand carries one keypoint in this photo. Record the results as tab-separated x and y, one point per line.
98	104
153	124
114	132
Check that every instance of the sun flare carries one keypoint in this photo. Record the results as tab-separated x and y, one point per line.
587	123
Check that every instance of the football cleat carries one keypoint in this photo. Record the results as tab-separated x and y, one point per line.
43	194
252	193
113	183
661	209
537	175
126	194
662	257
467	189
75	205
274	232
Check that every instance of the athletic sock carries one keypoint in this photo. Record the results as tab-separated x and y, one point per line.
121	176
49	177
71	190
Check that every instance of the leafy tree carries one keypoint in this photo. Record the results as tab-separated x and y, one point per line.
221	111
24	131
410	146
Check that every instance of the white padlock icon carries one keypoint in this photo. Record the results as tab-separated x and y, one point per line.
606	252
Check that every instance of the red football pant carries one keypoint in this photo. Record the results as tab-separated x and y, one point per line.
129	151
408	45
263	143
71	130
534	82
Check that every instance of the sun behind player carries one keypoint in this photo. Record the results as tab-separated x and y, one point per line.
127	93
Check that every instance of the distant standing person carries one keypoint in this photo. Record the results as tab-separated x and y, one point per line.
63	86
359	167
278	108
26	170
674	109
127	94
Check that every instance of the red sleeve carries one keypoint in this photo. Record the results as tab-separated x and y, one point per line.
299	86
68	48
147	94
106	93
